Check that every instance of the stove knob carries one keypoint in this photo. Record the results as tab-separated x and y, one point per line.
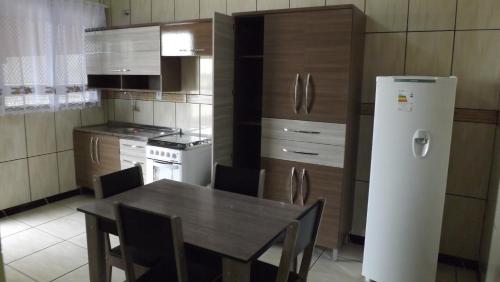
174	156
162	154
157	153
152	152
168	155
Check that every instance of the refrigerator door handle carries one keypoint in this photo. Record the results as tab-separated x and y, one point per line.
421	143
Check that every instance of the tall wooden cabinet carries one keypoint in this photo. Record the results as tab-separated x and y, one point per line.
306	122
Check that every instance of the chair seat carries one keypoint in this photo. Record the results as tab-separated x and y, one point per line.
265	272
166	272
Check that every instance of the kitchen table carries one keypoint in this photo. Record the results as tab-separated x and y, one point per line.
238	228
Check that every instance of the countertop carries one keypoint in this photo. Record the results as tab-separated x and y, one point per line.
126	130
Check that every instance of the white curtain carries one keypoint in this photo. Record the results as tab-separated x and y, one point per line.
42	61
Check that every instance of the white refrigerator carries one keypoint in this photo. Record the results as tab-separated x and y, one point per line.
409	167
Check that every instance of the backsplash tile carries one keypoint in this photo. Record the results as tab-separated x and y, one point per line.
12	138
40	133
123	110
164	114
187	116
143	113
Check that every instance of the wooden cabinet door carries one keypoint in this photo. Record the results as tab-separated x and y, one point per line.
283	65
282	180
84	158
326	65
193	39
107	154
323	182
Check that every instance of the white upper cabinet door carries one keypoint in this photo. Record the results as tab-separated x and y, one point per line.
124	51
120	12
162	10
140	11
187	10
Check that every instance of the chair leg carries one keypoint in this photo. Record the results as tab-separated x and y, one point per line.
295	265
109	272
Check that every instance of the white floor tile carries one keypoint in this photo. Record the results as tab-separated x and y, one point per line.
25	243
80	240
76	201
65	227
82	275
52	262
43	214
12	275
9	226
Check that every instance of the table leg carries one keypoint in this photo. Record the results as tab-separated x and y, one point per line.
235	271
95	248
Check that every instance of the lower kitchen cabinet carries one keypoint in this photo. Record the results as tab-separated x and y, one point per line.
95	155
301	184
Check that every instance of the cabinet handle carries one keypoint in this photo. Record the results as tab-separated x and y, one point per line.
133	146
120	70
299	152
292	180
134	163
126	12
91	149
97	157
296	90
198	50
308	83
300	131
304	178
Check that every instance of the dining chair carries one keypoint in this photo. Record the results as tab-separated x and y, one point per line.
307	233
244	181
107	186
161	238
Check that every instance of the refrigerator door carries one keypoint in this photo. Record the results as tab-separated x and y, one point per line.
409	168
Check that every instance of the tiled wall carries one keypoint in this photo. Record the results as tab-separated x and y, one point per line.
36	153
411	37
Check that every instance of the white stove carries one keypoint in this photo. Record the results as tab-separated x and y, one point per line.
179	157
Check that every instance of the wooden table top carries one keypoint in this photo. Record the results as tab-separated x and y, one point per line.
232	225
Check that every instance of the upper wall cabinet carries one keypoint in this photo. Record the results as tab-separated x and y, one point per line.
120	12
187	39
130	51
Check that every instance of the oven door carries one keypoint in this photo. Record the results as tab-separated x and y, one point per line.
158	170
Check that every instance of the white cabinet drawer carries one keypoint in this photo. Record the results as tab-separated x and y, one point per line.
304	131
129	40
133	148
320	154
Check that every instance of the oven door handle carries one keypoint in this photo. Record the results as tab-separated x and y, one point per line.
164	162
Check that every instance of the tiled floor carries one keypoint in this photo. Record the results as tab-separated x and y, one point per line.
49	244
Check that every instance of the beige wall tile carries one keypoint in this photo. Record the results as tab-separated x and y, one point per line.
470	159
306	3
360	208
162	10
272	4
476	63
94	115
462	225
386	15
208	7
384	55
40	133
187	116
364	148
123	110
236	6
429	53
144	112
206	119
187	9
44	176
16	190
164	114
358	3
109	105
432	15
206	75
478	14
65	122
12	138
66	165
118	16
140	11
